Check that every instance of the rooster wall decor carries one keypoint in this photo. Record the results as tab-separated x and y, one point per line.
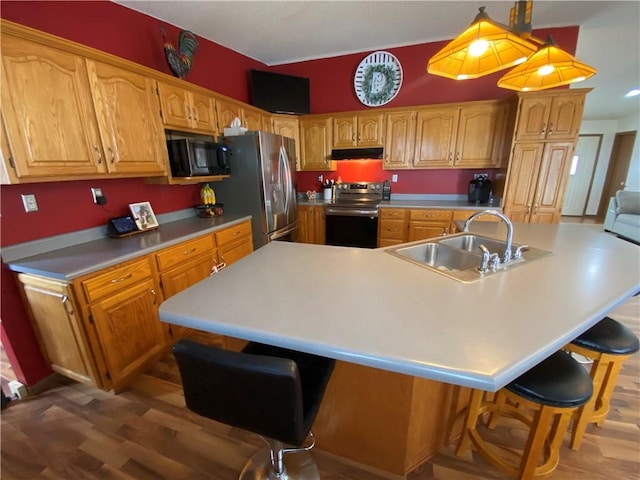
180	61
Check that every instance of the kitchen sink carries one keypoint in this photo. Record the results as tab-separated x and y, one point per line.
459	256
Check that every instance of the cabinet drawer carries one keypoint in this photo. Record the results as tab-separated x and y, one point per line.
464	214
430	215
393	229
393	213
230	234
113	279
177	254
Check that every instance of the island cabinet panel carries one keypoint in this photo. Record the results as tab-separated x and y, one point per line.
187	110
122	309
48	142
427	223
393	226
550	117
129	120
537	182
394	431
315	144
288	126
234	243
58	324
311	224
400	128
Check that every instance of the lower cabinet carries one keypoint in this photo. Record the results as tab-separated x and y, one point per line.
427	223
102	329
393	226
311	224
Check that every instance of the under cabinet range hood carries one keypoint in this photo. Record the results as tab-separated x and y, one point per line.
374	153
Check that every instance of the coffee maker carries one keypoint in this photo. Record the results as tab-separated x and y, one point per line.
480	189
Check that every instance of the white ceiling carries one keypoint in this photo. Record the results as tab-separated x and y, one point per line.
278	32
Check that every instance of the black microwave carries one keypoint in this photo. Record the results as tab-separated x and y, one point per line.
192	158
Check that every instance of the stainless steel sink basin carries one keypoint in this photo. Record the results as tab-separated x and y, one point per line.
459	256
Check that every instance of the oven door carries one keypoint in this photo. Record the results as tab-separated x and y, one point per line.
348	228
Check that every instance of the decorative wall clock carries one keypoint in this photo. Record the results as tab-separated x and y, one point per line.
378	79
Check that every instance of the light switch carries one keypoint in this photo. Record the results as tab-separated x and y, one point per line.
394	178
29	202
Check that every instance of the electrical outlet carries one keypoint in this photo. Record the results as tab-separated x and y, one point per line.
18	389
29	202
96	193
394	178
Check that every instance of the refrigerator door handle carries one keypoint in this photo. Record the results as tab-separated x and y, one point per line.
287	174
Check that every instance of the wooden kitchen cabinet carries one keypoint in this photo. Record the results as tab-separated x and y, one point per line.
52	309
315	144
226	112
288	126
549	116
393	226
255	119
358	130
311	224
400	128
463	137
234	242
185	109
128	119
427	223
536	182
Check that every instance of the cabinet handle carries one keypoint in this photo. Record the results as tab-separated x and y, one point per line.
237	232
544	128
195	114
97	150
551	127
535	209
450	156
118	280
113	156
187	111
65	299
153	292
528	209
457	156
190	251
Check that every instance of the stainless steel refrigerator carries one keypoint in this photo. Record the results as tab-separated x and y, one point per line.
262	184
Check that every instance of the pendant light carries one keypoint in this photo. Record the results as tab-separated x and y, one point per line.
483	48
549	67
487	47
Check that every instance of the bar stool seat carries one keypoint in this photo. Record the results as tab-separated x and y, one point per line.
271	391
608	343
543	398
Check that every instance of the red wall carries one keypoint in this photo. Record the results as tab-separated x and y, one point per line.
67	206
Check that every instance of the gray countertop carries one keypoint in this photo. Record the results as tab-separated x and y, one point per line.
73	261
371	308
429	202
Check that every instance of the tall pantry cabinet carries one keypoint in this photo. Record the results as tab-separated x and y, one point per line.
546	130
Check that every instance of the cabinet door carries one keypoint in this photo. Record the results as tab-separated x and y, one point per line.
129	330
424	230
174	102
305	224
399	140
289	127
204	117
253	119
319	226
521	182
552	182
565	117
479	137
226	112
533	117
370	129
58	326
436	137
345	132
316	145
48	112
129	120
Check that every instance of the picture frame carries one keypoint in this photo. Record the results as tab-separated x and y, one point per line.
143	215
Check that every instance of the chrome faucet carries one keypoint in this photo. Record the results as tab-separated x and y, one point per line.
506	257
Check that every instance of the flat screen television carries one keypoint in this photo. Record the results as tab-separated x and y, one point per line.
278	93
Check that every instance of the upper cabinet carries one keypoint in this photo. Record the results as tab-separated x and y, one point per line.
315	144
250	118
288	126
399	139
466	136
359	130
549	117
255	119
185	109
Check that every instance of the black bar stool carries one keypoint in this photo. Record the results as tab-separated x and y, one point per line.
609	344
544	398
271	391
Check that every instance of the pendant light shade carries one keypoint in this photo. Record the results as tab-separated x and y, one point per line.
483	48
549	67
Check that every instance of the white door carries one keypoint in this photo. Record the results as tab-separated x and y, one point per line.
581	174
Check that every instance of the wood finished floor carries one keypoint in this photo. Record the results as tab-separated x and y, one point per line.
77	432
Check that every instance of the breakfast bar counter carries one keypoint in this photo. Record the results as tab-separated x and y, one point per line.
406	335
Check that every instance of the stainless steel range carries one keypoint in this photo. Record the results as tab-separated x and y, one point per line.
352	218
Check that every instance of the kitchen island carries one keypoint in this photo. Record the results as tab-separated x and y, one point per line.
377	312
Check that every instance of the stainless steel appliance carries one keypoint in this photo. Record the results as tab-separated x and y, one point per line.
190	158
480	189
262	184
352	218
